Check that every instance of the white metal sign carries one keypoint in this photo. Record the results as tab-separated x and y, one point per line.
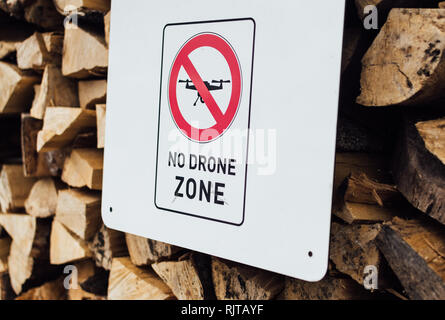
221	122
206	79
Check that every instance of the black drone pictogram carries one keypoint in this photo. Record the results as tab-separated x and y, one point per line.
189	85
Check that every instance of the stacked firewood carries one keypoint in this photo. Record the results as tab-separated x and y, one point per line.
388	233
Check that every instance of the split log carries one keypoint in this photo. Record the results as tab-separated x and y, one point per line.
39	50
354	213
79	211
361	189
433	135
21	268
144	252
401	68
70	175
65	246
415	250
355	181
42	200
330	288
29	234
36	164
419	175
100	116
190	278
353	248
107	19
84	168
85	54
26	272
6	292
5	244
234	281
61	126
53	290
107	245
84	273
128	282
92	92
33	164
14	188
17	88
366	201
55	90
65	6
28	263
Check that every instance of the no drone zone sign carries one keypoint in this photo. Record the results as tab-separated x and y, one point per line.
221	124
206	74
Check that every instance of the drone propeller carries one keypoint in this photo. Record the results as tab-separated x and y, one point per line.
184	81
220	81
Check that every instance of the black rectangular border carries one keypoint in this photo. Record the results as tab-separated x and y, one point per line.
248	123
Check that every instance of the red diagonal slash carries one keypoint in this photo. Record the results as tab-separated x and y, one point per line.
202	89
182	60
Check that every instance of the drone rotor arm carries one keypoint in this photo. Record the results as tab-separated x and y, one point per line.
221	81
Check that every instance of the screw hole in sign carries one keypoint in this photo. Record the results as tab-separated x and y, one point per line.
310	254
111	209
182	60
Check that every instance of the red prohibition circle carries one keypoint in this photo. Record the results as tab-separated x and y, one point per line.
223	121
